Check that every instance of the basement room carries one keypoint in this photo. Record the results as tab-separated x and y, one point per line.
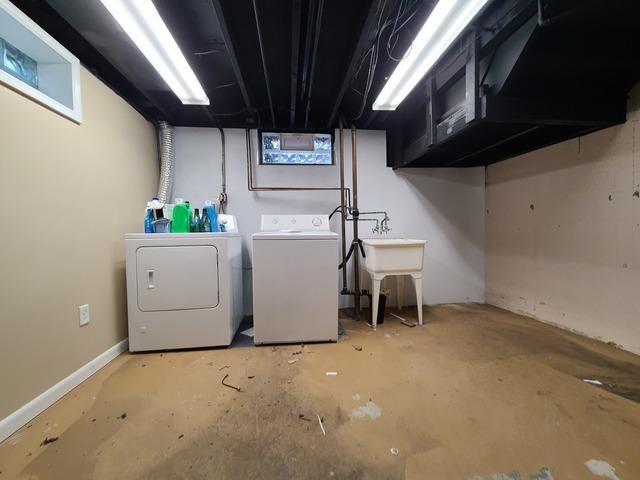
320	239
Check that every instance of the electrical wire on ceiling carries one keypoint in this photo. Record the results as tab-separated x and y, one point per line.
405	13
400	19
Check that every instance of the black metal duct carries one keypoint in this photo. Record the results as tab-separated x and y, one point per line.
528	74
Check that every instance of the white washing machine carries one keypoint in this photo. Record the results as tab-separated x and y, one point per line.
184	290
295	280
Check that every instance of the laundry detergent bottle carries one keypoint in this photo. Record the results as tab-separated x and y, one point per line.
212	213
181	217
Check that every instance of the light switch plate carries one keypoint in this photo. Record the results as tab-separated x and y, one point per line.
85	317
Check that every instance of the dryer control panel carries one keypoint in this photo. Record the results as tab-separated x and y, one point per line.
294	223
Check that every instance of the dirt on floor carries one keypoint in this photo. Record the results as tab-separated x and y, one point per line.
477	393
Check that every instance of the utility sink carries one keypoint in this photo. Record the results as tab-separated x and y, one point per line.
394	256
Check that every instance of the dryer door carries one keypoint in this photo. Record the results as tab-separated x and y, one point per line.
177	278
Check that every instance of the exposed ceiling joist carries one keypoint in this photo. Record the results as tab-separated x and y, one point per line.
367	34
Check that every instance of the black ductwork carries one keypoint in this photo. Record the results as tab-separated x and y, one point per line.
521	78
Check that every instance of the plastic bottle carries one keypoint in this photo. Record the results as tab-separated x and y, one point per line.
196	222
148	220
206	223
181	217
211	210
151	214
162	225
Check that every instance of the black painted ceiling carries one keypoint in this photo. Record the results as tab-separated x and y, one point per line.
547	70
310	49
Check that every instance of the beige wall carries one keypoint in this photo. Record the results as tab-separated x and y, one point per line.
57	250
563	233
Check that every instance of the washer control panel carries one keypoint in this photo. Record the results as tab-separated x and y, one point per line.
294	223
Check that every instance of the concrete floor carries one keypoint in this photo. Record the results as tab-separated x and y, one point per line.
476	393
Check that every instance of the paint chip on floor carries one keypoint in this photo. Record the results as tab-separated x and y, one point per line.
369	409
601	469
593	382
248	332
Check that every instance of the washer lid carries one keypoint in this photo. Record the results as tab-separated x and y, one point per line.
296	235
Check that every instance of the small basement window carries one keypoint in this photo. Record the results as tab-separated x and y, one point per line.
37	66
296	148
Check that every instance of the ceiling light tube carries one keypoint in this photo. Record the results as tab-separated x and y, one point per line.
142	22
447	21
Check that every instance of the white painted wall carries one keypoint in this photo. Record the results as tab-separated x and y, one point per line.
563	233
445	206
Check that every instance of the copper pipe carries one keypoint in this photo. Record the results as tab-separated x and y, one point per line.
343	211
355	214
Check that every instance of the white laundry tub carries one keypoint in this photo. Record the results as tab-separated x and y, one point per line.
393	254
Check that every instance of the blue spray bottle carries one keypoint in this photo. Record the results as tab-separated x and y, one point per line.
148	217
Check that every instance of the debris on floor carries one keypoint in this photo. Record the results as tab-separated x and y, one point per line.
224	366
292	361
593	382
229	385
355	396
331	374
302	417
601	469
48	440
394	451
123	416
543	474
369	409
248	332
321	421
358	348
403	320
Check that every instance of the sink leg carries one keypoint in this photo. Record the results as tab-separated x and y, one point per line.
417	283
400	290
376	280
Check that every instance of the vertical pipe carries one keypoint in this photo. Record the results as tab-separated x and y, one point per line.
343	215
355	214
223	172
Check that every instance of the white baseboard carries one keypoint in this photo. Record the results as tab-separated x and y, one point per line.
27	412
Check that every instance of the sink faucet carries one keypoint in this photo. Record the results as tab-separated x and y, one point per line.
382	227
384	224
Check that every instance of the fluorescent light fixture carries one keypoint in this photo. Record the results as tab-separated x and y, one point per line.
142	22
446	22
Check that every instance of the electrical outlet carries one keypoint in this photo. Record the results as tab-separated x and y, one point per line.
85	317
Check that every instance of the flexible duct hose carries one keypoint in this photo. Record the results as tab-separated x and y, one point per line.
167	154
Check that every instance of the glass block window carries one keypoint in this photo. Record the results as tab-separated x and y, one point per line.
296	149
16	63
